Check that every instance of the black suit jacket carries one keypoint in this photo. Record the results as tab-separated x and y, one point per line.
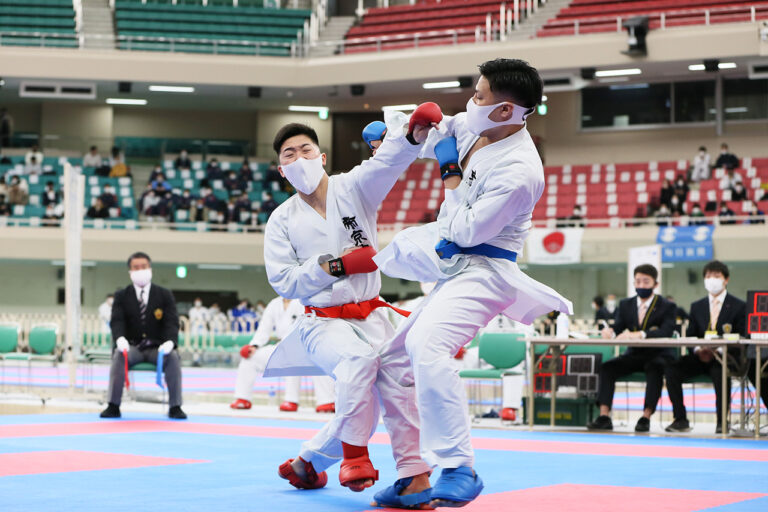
161	322
660	320
732	312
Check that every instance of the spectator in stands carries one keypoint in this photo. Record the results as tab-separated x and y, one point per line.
726	160
268	205
700	167
602	316
156	170
577	218
105	313
663	216
243	206
717	313
34	155
5	208
756	216
231	213
51	217
18	192
697	216
98	210
681	190
117	166
273	175
49	195
738	192
183	161
645	315
116	157
731	179
213	171
667	191
198	317
160	185
725	213
610	305
676	207
144	323
6	128
217	322
108	197
33	166
245	174
198	212
243	317
185	200
3	186
92	158
234	184
164	207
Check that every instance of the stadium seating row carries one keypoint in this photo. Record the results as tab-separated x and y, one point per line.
38	22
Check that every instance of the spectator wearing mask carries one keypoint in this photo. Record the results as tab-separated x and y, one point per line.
18	192
98	211
185	200
198	212
268	205
738	192
49	195
663	216
108	197
731	179
33	166
700	167
756	216
243	205
667	191
6	128
232	213
602	316
577	218
646	315
92	158
717	313
233	184
164	206
160	185
245	174
117	166
681	190
183	161
725	213
198	317
697	216
273	174
34	155
213	171
610	304
51	217
676	206
726	159
156	171
217	319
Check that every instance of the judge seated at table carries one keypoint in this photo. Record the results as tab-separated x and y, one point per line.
645	315
712	316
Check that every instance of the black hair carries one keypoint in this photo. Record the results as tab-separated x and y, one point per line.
716	266
648	270
93	147
515	78
598	300
702	148
138	255
292	130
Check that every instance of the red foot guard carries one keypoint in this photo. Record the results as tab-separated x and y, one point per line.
355	471
313	480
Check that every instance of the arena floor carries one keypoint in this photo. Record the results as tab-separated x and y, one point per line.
61	456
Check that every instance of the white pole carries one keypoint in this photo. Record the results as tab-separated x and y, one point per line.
502	22
509	21
488	27
517	14
74	193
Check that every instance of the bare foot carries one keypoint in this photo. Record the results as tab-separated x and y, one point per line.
360	485
298	467
418	484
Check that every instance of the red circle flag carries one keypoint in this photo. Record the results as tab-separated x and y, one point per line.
554	242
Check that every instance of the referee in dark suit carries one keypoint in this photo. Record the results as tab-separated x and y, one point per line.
719	312
144	322
646	315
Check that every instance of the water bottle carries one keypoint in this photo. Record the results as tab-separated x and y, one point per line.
562	325
272	396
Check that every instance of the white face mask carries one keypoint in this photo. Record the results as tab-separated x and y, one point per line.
478	121
610	304
109	302
198	304
141	278
714	285
305	175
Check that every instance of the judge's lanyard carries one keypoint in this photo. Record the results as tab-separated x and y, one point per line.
648	313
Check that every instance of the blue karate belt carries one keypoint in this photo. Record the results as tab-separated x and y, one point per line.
447	249
159	374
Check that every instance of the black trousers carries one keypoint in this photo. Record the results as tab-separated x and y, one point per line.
763	381
690	366
651	362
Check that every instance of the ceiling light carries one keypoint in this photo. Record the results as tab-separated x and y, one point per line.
411	106
214	266
722	65
125	101
618	72
613	79
303	108
441	85
170	88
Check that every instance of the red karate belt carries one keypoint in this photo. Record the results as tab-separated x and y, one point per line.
356	311
125	359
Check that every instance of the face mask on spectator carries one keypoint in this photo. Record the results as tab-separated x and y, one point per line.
696	210
109	301
675	201
610	304
198	303
714	285
141	278
644	293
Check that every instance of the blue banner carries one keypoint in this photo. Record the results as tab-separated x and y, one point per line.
685	243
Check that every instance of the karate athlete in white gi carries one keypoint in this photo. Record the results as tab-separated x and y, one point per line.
318	248
492	182
277	320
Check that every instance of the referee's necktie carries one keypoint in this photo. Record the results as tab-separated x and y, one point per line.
142	307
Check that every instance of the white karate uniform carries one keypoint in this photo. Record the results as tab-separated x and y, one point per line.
198	319
277	320
297	241
105	316
493	205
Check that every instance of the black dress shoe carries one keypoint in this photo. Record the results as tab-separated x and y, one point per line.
719	428
681	425
112	411
176	413
643	425
601	423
